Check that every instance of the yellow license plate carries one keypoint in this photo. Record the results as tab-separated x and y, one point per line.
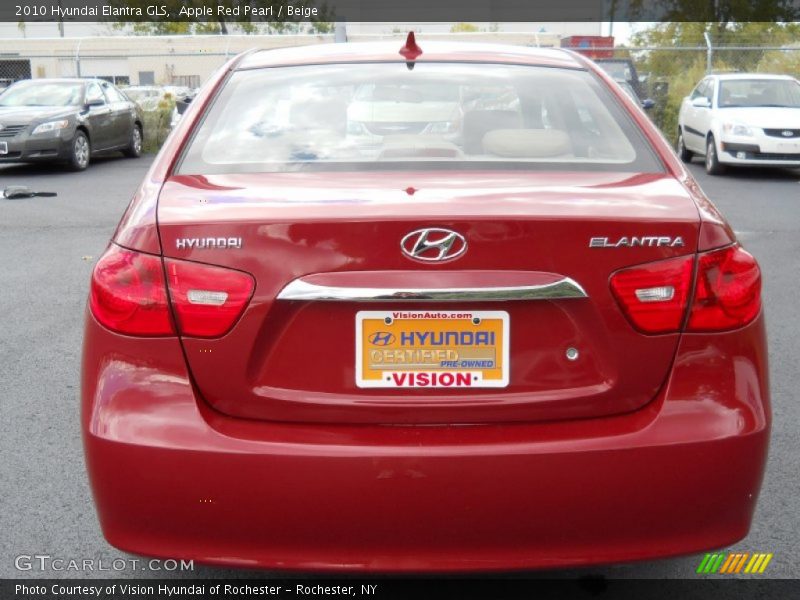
435	349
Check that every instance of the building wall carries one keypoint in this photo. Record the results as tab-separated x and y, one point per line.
180	59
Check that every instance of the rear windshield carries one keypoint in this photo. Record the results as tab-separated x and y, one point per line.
437	116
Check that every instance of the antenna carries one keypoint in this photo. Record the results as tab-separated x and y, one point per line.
410	51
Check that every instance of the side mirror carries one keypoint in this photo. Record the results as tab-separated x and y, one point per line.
701	102
95	102
648	103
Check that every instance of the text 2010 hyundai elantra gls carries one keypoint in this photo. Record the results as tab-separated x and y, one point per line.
519	338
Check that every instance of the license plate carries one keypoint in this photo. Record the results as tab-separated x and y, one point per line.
789	147
434	349
3	147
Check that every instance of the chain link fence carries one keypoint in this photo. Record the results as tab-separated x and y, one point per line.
665	74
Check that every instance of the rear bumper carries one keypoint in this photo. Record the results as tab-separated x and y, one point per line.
171	478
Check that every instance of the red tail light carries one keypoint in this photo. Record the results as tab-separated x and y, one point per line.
208	300
129	295
727	294
654	296
728	290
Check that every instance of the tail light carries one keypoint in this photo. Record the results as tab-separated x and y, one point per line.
654	296
208	300
728	290
129	295
727	295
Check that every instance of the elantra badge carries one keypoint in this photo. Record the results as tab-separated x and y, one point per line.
433	244
650	241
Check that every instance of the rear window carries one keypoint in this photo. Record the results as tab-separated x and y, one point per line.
436	116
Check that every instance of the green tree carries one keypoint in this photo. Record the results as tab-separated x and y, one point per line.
321	27
720	12
785	61
463	28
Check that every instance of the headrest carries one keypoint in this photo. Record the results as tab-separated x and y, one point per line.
526	143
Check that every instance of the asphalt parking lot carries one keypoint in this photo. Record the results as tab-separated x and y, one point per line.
48	247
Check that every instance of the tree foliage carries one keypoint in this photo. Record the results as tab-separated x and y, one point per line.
463	28
706	11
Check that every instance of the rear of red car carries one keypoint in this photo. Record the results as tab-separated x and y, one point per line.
510	333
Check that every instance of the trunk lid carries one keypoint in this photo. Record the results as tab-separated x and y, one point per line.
290	358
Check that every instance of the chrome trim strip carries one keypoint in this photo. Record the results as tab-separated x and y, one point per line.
302	290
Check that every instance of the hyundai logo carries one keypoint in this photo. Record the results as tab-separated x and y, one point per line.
381	338
433	244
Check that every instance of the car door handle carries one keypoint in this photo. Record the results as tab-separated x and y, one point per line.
439	286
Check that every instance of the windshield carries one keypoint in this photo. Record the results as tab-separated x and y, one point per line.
626	87
138	94
38	93
759	92
617	70
436	116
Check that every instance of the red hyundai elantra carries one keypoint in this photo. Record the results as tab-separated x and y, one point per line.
456	307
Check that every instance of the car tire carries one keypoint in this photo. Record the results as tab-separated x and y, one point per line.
713	166
134	149
80	152
684	153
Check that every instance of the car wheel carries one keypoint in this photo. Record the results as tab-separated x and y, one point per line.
713	166
134	149
80	152
684	154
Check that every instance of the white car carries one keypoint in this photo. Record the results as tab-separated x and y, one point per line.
742	119
149	97
146	96
389	110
